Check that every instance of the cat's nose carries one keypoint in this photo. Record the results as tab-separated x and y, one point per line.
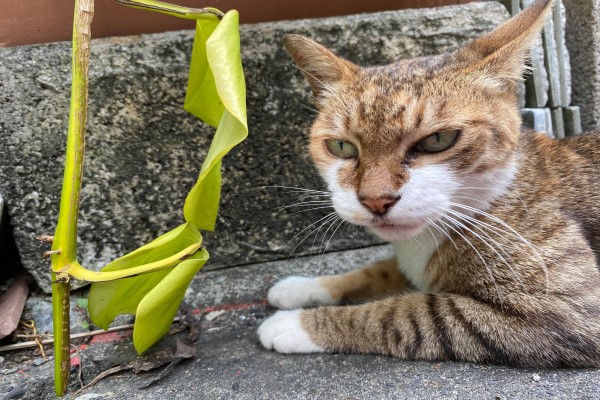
381	205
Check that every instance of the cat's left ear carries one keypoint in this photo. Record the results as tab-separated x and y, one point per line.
499	57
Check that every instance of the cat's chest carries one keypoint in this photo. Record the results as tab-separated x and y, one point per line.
413	256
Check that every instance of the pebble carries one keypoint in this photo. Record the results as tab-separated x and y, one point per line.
39	361
15	392
214	314
536	378
90	396
9	371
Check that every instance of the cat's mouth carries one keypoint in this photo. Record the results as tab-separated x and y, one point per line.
393	226
394	231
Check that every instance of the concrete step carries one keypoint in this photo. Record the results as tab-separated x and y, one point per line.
226	307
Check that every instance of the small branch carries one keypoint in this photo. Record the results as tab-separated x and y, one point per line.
50	340
50	253
171	9
45	238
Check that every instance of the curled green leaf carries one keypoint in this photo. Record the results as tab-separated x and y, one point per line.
122	296
157	309
216	68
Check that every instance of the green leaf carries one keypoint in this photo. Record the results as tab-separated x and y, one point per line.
216	93
220	47
122	296
201	97
158	308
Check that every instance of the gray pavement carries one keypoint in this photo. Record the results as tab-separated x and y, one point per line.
223	309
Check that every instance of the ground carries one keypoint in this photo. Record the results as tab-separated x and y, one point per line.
221	314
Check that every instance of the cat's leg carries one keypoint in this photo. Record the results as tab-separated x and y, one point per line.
544	333
372	282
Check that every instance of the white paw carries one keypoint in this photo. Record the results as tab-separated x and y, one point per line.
284	333
299	292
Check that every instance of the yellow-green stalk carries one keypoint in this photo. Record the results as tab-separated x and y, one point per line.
64	245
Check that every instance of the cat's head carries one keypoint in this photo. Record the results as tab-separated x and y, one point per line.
402	145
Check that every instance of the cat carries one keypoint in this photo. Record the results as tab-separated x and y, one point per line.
496	231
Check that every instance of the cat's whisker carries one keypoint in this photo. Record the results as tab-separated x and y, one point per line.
312	247
499	232
312	109
333	213
437	246
465	227
330	218
331	237
309	74
324	85
320	204
293	188
480	225
515	233
442	231
419	243
327	230
310	209
305	106
305	204
330	223
310	196
467	188
472	199
468	242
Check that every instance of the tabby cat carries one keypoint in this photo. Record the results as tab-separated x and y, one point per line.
496	231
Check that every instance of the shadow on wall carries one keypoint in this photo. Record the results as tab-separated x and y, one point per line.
11	263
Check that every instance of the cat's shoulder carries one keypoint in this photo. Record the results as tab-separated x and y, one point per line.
576	148
586	145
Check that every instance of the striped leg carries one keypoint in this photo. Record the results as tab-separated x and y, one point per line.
442	327
376	281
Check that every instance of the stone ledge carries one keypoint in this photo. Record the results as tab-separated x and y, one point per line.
144	151
227	307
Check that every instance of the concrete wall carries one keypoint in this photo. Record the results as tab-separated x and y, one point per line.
583	40
144	151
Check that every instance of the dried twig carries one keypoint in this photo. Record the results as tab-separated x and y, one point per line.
37	338
102	375
50	340
45	238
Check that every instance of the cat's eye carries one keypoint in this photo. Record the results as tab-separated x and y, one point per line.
437	142
341	149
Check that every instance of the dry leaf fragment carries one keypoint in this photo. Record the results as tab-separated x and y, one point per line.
11	305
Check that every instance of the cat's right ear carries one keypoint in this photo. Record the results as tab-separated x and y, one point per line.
319	65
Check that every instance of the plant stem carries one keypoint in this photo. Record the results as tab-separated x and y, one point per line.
65	238
61	327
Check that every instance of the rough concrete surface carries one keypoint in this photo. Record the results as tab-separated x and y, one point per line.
583	41
226	307
144	151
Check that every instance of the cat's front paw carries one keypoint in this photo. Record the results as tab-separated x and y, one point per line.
284	333
299	292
